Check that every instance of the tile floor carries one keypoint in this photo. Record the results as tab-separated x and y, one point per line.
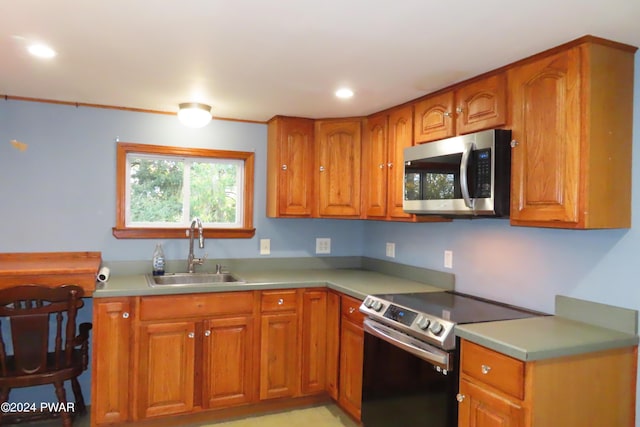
318	416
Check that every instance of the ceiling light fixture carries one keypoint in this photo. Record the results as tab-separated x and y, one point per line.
344	93
194	114
41	51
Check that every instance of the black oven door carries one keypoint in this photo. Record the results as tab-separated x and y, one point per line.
399	388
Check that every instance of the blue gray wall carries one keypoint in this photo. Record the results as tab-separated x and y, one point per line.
59	195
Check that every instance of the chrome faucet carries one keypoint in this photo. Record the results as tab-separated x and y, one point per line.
192	259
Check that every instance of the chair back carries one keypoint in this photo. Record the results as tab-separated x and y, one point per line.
30	311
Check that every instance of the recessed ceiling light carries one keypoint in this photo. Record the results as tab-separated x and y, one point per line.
41	51
344	93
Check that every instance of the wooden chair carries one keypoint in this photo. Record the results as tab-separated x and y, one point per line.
27	358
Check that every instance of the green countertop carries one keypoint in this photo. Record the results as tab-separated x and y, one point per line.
545	337
524	339
353	282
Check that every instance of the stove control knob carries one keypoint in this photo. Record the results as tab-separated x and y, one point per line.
368	302
377	305
436	328
423	323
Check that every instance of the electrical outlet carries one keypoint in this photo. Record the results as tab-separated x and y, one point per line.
391	250
265	246
323	245
448	259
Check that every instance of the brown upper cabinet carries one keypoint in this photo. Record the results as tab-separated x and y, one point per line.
400	137
570	112
572	122
337	167
290	164
478	105
385	137
375	166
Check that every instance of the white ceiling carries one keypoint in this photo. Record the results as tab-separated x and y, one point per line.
253	59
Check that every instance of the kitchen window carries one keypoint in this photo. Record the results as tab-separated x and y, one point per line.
161	189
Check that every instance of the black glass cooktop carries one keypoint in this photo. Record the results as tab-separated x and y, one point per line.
458	308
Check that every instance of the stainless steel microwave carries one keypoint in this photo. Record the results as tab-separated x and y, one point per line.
466	176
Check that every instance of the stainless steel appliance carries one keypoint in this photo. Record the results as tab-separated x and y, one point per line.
469	175
410	371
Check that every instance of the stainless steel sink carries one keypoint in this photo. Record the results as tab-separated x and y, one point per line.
192	279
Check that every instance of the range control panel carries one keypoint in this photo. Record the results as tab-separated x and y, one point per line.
423	326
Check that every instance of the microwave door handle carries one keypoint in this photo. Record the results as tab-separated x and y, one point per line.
464	185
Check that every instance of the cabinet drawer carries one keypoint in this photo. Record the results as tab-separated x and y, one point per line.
195	305
279	300
495	369
351	310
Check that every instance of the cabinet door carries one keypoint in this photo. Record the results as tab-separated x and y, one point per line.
110	365
279	369
290	167
314	341
481	408
166	368
481	105
351	359
333	343
374	167
433	118
400	137
228	355
338	153
545	163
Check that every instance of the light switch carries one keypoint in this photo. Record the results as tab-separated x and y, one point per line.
448	259
391	250
265	246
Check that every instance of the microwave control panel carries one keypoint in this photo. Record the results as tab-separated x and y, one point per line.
482	173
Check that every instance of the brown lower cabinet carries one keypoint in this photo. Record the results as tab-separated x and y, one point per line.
313	337
157	356
229	343
279	355
593	389
166	368
333	344
110	364
193	351
351	356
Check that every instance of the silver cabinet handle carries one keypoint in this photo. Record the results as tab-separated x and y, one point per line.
321	168
191	334
381	165
460	397
446	114
125	315
207	333
485	369
351	310
284	167
280	301
459	110
390	165
514	143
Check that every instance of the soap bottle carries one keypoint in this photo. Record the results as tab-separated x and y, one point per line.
158	260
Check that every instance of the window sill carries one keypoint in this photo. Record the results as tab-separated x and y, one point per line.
181	233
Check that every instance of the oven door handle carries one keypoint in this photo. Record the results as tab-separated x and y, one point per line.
434	356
